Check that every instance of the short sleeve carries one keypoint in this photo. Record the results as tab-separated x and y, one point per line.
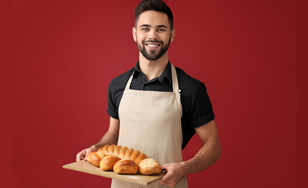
201	111
112	107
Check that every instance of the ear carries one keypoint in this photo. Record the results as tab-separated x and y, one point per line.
134	31
173	32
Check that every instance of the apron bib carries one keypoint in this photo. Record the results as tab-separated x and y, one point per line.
150	121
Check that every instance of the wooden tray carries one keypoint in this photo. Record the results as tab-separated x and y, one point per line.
86	167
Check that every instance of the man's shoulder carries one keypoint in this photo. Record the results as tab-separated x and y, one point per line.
186	80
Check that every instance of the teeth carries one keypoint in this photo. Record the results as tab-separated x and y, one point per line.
150	45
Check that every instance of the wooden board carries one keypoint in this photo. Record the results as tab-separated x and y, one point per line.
86	167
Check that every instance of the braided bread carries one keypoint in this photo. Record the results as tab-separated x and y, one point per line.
123	160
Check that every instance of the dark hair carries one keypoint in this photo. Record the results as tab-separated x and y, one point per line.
156	5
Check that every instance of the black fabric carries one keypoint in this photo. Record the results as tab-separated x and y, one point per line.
196	105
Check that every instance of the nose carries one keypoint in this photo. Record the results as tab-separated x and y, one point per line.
153	35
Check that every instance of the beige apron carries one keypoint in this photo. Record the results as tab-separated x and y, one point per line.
150	121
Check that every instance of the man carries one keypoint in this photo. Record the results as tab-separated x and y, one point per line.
156	108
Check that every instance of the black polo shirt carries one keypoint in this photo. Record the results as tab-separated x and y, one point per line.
196	105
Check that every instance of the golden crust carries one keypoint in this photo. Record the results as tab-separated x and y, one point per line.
111	149
117	150
94	159
100	149
149	166
105	149
134	155
108	162
128	153
123	151
101	154
140	157
125	166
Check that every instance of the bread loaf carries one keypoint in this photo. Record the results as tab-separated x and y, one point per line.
123	160
125	166
149	166
95	157
107	162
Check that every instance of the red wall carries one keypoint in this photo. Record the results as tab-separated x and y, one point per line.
64	54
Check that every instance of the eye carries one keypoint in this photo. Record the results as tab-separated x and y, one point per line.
145	29
161	29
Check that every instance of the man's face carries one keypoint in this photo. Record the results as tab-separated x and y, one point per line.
152	34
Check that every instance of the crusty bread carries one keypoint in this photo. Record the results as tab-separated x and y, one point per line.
108	156
95	158
100	153
125	166
123	152
117	150
149	166
108	162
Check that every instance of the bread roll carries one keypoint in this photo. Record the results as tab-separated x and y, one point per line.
117	150
108	162
128	153
100	153
122	152
149	166
140	157
125	166
106	149
134	155
95	158
111	149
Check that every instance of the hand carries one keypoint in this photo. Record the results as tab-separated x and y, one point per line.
84	153
175	172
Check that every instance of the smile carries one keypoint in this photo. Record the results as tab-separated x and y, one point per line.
152	45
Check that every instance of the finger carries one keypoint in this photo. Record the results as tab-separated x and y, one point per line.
164	167
160	181
78	157
86	154
168	176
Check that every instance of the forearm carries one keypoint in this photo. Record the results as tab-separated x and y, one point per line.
109	138
205	157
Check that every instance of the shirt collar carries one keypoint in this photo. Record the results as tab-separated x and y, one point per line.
165	74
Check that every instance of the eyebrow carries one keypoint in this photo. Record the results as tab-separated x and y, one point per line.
147	25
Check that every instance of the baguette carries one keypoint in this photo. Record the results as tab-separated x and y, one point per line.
123	160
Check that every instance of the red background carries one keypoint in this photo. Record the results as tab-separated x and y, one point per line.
64	54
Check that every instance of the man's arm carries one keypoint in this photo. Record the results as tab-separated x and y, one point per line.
110	137
207	155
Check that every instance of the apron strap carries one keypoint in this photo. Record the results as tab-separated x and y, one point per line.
175	84
129	81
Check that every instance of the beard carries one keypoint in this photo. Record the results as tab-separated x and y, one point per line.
152	55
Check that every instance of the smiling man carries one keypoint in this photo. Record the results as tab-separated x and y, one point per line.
156	108
150	47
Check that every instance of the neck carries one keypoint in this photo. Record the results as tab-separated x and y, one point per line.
153	69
